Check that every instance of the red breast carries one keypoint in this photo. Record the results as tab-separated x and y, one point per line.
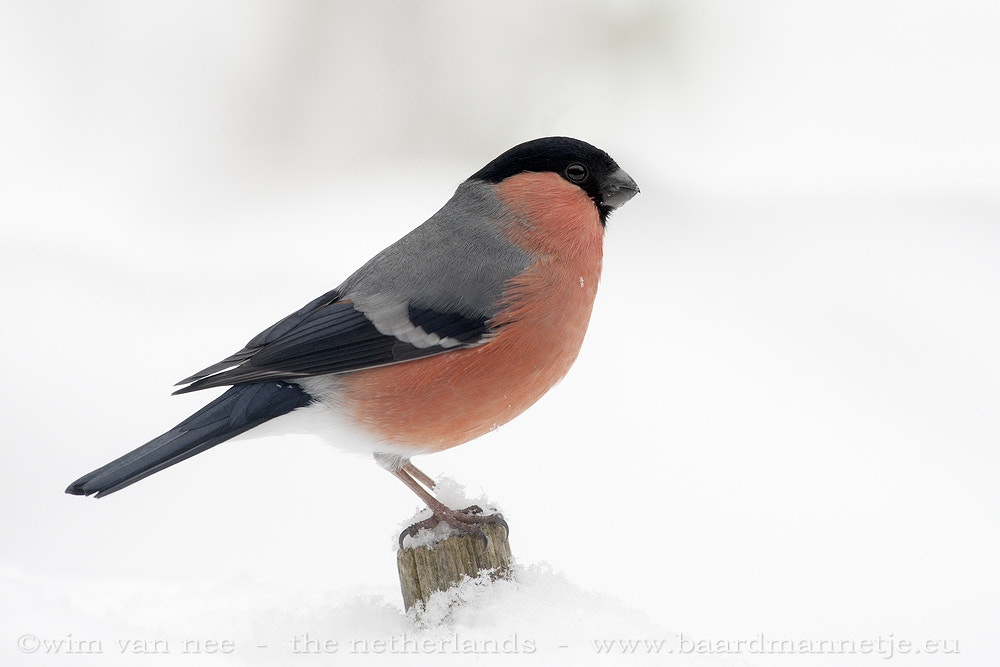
438	402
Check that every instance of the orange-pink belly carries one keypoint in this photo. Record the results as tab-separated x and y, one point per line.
442	401
438	402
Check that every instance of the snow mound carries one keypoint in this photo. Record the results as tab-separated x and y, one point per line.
537	613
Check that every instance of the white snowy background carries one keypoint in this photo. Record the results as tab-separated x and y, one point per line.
783	424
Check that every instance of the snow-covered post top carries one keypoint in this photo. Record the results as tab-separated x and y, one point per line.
439	566
438	558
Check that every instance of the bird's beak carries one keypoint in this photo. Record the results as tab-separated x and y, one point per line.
618	189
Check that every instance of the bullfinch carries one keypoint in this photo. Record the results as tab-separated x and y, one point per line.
448	333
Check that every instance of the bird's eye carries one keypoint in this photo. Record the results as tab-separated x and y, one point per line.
576	172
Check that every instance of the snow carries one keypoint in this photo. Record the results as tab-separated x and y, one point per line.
538	614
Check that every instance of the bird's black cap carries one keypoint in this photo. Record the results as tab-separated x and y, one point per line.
578	162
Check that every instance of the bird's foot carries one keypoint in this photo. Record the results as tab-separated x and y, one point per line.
468	521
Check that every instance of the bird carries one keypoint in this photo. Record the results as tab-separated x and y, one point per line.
445	335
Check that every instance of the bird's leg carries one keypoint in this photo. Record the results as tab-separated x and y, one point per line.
418	474
466	520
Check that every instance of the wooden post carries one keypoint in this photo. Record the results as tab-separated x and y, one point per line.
438	567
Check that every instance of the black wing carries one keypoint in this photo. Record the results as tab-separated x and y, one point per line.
330	335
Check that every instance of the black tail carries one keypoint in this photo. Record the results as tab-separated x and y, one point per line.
239	409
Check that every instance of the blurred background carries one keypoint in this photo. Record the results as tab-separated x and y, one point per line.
784	419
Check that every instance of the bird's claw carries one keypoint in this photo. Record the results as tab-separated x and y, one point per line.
468	521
